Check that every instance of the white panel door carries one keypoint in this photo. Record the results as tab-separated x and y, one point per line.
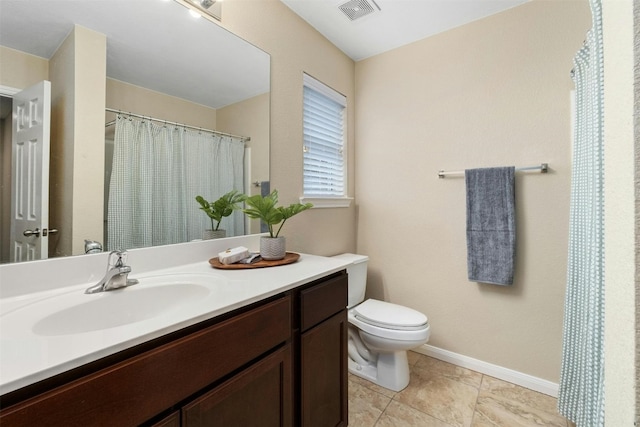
30	173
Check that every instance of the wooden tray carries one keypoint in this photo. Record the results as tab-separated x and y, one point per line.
289	258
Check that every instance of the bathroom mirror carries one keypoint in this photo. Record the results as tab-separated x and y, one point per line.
156	47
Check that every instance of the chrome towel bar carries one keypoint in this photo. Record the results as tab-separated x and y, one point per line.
543	168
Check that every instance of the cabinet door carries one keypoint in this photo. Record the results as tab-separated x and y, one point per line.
259	396
324	373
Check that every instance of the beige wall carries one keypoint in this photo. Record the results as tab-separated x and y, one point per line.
136	99
61	157
250	117
620	231
20	70
495	92
295	47
88	171
77	74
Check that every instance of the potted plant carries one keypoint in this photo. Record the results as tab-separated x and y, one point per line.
272	247
219	209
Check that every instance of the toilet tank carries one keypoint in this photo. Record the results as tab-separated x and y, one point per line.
357	272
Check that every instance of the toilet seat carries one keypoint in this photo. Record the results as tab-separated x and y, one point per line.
391	316
390	321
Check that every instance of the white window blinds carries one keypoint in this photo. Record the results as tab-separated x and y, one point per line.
324	136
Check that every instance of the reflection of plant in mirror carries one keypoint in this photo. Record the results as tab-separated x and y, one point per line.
265	208
222	207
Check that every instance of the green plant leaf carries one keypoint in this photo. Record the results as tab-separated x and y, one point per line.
265	209
222	207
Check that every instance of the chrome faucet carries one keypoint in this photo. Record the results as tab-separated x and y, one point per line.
116	275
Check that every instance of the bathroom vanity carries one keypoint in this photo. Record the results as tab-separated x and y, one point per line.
273	355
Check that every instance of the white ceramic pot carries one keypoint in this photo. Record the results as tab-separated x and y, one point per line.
272	248
214	234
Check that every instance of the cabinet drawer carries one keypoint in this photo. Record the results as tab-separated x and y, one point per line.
133	391
322	301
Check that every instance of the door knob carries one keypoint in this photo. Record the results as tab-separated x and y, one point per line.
28	233
36	232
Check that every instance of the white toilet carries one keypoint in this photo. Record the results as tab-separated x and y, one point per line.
380	333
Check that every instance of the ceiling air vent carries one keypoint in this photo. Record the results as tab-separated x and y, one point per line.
355	9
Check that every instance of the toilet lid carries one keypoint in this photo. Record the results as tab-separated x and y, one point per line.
388	315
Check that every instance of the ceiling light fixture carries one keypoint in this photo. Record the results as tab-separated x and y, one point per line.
207	8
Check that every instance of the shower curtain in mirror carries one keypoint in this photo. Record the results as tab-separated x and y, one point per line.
581	392
157	172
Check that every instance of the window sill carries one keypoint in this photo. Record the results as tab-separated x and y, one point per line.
327	202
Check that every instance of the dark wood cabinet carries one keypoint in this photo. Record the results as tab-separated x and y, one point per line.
323	374
323	354
280	363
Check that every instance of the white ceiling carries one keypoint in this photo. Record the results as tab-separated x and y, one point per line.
157	45
150	43
397	23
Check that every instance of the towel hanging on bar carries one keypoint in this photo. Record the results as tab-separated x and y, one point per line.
491	225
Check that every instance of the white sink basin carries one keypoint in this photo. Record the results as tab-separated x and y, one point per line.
153	297
119	307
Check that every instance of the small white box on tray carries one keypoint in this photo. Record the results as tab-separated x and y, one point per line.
233	255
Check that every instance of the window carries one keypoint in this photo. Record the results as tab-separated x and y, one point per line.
324	128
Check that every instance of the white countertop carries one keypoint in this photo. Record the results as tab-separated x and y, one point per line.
30	353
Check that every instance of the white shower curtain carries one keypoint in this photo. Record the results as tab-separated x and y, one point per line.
157	172
581	392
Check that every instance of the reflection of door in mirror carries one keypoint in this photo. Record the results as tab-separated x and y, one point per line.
24	182
30	128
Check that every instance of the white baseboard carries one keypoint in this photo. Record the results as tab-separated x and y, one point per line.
515	377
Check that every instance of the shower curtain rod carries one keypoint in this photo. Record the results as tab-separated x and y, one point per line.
544	168
166	122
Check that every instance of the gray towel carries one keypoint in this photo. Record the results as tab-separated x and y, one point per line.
491	225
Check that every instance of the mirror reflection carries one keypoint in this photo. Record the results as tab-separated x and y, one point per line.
171	104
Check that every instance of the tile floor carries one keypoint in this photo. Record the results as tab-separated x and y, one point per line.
444	395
